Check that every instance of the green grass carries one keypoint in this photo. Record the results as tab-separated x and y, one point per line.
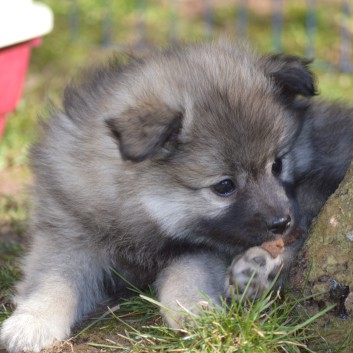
269	325
12	219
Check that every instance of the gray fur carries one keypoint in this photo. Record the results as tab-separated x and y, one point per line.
124	178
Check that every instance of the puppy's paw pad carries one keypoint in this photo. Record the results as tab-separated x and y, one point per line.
28	333
252	272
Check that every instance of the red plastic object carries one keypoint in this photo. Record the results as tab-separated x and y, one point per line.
13	67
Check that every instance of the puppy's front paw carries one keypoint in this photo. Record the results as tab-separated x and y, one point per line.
256	266
29	333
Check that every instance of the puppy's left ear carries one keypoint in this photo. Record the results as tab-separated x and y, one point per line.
141	132
290	74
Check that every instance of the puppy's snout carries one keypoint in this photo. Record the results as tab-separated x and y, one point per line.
279	225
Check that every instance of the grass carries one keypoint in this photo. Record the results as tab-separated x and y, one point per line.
12	216
269	325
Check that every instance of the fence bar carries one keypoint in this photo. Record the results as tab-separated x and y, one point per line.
277	25
345	61
107	23
346	38
74	19
242	19
311	28
208	17
141	25
173	22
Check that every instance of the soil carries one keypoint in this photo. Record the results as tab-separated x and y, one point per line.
14	181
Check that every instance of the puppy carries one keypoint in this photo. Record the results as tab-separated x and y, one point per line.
166	169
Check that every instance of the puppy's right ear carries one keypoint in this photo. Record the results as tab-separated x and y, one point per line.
142	131
290	74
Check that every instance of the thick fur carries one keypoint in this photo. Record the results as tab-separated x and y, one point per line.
125	176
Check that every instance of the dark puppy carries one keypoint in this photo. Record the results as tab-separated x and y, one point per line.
166	169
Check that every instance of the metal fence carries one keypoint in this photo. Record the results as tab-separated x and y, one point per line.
242	23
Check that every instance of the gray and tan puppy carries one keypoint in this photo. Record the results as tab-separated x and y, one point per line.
167	169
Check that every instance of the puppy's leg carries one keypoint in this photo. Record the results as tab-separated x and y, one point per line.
191	282
60	285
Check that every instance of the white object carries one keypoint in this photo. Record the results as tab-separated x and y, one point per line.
22	20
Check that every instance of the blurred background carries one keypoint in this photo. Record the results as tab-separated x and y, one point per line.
87	31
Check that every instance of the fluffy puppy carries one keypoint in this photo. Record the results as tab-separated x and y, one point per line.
166	169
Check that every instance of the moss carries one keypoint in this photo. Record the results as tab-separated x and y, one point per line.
327	263
330	243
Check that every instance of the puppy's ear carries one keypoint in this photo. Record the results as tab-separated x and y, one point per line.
142	131
290	74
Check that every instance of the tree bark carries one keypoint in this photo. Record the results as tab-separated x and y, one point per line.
325	265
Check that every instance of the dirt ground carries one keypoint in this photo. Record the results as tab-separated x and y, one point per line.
14	181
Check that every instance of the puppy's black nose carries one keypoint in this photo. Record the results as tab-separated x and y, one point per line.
279	225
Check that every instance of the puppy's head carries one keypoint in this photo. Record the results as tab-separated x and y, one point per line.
206	132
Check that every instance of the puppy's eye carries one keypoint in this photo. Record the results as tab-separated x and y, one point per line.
224	188
277	167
